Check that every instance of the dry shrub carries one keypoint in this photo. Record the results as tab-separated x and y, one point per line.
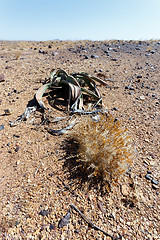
104	149
17	55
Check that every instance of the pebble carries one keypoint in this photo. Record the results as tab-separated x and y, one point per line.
142	97
154	181
42	51
139	76
152	51
54	53
2	78
155	186
17	148
65	220
148	177
76	231
86	57
125	190
106	52
94	56
44	213
7	111
129	88
52	226
147	54
114	59
100	205
115	109
1	127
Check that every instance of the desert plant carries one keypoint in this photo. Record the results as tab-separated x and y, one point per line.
104	149
79	84
17	55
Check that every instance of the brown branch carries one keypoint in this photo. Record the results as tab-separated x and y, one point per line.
66	186
95	226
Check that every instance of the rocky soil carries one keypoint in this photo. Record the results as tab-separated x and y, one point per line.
33	171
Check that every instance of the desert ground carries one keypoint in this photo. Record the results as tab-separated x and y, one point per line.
33	169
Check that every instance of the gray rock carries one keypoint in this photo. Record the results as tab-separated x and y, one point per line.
44	213
154	181
94	56
86	57
139	76
148	177
114	59
1	127
65	220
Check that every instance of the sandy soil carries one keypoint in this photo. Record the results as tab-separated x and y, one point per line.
32	162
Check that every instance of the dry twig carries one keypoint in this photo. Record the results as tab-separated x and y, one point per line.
93	225
39	164
66	186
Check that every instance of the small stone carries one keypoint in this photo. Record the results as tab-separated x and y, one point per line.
52	226
94	56
152	51
139	76
18	162
155	187
129	88
114	59
107	52
76	231
148	177
44	213
1	127
125	190
146	162
86	57
154	181
100	205
42	51
16	136
17	148
142	97
112	215
54	53
7	111
65	220
2	78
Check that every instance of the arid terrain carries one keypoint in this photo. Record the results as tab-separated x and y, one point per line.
33	168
